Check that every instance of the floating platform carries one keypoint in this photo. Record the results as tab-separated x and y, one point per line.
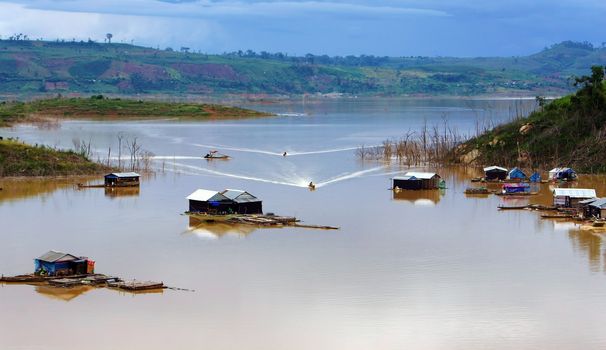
93	280
268	220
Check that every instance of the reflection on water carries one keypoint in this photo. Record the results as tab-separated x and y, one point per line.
113	192
213	230
19	188
419	197
64	294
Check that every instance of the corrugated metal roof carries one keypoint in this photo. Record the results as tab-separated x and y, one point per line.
599	203
494	167
206	196
130	174
575	192
420	175
405	178
55	256
240	196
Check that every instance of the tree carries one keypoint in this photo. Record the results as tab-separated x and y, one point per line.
109	37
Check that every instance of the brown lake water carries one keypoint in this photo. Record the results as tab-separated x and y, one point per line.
418	270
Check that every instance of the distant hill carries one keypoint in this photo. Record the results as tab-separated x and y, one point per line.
29	68
570	131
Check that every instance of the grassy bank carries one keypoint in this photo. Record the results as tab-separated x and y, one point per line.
100	107
569	131
19	159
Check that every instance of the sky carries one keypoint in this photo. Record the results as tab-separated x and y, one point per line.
463	28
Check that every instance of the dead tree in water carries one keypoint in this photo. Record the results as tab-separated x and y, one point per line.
133	148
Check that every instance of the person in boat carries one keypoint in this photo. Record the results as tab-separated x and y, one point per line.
311	185
284	154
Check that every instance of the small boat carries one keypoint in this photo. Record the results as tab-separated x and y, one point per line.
136	285
598	223
215	155
556	216
477	190
515	207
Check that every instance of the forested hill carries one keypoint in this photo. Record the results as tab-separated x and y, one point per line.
30	68
569	131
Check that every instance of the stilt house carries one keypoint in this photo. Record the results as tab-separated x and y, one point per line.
122	179
55	263
417	181
571	197
244	202
494	172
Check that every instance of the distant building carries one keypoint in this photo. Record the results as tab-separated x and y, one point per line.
564	174
495	173
244	202
54	263
517	174
417	181
122	179
571	197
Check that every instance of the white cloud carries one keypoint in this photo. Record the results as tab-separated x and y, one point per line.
51	24
217	9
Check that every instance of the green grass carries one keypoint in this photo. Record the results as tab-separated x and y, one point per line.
99	107
19	159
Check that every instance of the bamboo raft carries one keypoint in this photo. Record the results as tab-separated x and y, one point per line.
266	220
529	206
94	280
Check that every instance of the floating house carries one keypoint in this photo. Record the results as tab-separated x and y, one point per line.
54	263
596	208
517	174
225	202
244	202
521	187
571	197
494	172
205	201
122	179
564	174
417	181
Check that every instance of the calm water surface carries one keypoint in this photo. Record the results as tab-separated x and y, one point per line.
422	270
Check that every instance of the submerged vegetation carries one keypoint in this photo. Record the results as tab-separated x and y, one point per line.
568	131
430	146
100	107
19	159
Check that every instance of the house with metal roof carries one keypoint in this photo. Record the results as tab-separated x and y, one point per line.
494	172
122	179
207	201
244	202
414	180
596	208
54	263
571	197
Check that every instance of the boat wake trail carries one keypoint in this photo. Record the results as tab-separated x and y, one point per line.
344	177
288	152
227	148
300	183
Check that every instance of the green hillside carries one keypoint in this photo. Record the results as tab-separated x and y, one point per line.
29	68
570	131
